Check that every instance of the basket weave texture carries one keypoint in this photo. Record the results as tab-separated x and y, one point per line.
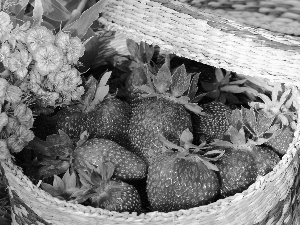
272	199
275	15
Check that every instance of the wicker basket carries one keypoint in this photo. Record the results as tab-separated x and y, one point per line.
274	15
272	199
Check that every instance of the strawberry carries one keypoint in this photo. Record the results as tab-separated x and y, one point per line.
182	179
128	166
99	113
280	143
102	192
163	110
244	158
213	124
110	120
281	106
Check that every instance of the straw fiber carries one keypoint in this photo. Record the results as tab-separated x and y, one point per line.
272	199
275	15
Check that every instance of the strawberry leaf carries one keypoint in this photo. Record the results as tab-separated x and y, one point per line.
50	189
134	50
56	167
145	88
163	79
193	86
209	87
263	123
55	11
80	26
235	118
90	86
180	81
219	75
186	137
83	138
69	180
146	52
237	137
249	119
58	184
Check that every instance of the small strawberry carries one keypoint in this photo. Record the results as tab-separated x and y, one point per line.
181	179
212	125
244	158
105	193
128	166
280	105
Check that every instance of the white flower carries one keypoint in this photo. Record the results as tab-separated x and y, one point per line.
24	115
5	25
18	34
5	52
19	61
3	86
38	37
13	94
65	81
72	47
76	95
20	139
3	120
49	59
62	40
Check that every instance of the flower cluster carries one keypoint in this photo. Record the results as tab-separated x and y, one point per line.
39	64
43	62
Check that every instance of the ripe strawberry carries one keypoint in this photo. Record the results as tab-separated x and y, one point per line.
280	143
110	121
279	105
181	180
113	195
212	125
99	113
244	158
163	110
128	166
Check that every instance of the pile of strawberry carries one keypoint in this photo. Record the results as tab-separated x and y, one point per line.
153	135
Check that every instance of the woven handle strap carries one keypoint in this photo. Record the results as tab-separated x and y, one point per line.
207	38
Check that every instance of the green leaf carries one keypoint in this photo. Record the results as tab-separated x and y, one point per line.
50	189
58	184
263	123
69	180
193	86
146	51
70	5
57	167
134	50
219	74
237	137
249	119
235	118
186	137
83	138
80	26
145	88
104	79
169	144
37	13
163	79
180	81
90	86
19	8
